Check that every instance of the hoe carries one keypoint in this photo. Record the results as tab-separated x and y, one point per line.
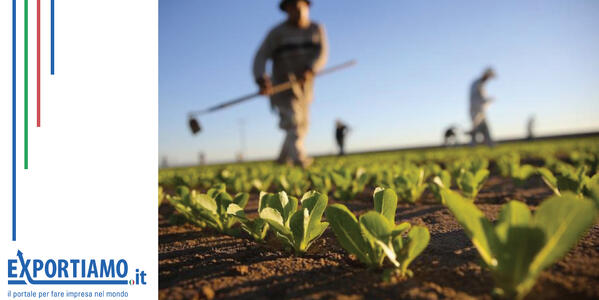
195	126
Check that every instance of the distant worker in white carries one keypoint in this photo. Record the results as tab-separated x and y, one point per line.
478	105
298	49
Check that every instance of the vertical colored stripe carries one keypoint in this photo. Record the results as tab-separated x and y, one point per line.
14	120
52	37
39	84
26	85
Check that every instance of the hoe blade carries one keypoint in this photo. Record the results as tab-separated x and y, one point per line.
194	125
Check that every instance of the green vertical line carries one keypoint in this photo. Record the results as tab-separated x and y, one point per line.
26	108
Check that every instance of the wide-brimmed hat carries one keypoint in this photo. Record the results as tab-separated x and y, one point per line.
285	2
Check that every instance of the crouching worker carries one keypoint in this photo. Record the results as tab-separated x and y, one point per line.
298	49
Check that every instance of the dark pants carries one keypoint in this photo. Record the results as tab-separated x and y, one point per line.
484	130
341	144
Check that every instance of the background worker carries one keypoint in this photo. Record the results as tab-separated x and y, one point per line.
478	105
340	132
530	128
298	49
450	136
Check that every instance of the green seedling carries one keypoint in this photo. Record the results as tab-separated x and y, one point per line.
297	229
470	183
294	182
375	235
519	246
321	182
410	184
263	183
348	186
509	166
211	208
569	179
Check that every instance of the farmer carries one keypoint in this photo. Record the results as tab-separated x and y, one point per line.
340	131
478	104
298	49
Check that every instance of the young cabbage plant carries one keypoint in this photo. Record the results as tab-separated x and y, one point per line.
507	163
441	181
294	182
509	166
263	183
522	174
569	179
410	184
298	229
348	186
321	182
375	235
471	183
519	246
473	165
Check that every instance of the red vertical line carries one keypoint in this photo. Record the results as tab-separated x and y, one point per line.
38	64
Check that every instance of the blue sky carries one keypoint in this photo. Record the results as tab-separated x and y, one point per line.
416	60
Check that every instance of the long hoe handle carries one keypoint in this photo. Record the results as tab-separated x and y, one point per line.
275	89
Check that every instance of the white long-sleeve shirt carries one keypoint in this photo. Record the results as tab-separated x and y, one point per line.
478	102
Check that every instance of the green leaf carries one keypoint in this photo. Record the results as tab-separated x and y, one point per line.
475	225
563	220
236	211
385	202
400	228
416	241
206	202
289	205
274	201
316	204
274	220
347	230
298	223
376	230
376	225
514	213
549	179
479	178
241	199
518	249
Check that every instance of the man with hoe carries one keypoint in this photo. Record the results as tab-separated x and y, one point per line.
298	49
478	105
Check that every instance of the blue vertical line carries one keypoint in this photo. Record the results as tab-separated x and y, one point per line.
52	37
14	121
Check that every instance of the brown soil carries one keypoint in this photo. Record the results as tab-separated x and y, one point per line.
199	263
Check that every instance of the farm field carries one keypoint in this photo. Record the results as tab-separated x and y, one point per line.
239	251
